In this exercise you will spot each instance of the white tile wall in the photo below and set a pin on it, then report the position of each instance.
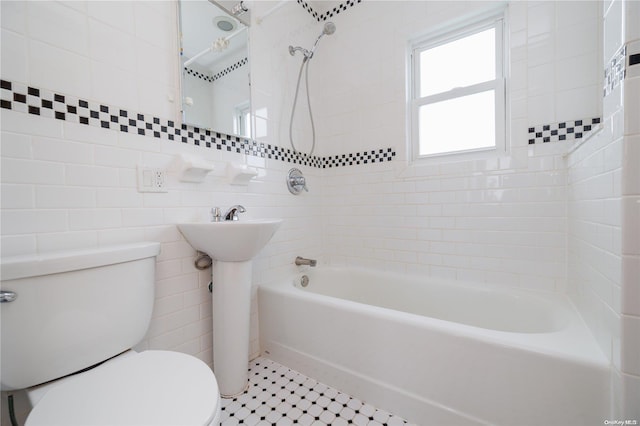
(491, 219)
(603, 221)
(66, 185)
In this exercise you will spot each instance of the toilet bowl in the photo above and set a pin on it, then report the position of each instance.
(152, 388)
(68, 323)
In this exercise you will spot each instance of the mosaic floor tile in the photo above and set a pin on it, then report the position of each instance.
(279, 396)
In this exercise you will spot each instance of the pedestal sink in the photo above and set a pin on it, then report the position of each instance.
(231, 245)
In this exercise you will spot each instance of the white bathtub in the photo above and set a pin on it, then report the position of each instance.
(438, 353)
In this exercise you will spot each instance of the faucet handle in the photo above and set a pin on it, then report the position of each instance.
(216, 214)
(296, 182)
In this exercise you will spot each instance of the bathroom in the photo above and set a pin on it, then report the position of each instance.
(561, 216)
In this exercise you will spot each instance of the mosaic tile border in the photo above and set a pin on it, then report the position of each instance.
(211, 78)
(228, 70)
(564, 131)
(330, 13)
(44, 103)
(197, 74)
(615, 71)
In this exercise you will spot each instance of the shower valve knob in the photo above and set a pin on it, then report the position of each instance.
(296, 182)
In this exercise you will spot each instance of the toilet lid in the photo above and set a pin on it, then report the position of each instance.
(150, 388)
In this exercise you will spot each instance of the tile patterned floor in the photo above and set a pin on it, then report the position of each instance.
(279, 396)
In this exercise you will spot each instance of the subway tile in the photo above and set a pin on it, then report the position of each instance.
(630, 285)
(631, 225)
(59, 69)
(114, 86)
(151, 25)
(86, 219)
(168, 268)
(613, 29)
(61, 197)
(632, 106)
(167, 305)
(13, 55)
(14, 16)
(68, 240)
(109, 46)
(35, 172)
(17, 196)
(578, 12)
(17, 122)
(577, 71)
(630, 341)
(58, 25)
(164, 340)
(142, 217)
(630, 169)
(61, 151)
(16, 145)
(116, 14)
(95, 176)
(33, 221)
(17, 245)
(629, 396)
(632, 12)
(541, 19)
(88, 134)
(576, 40)
(121, 236)
(118, 197)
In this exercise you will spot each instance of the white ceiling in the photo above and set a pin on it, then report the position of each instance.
(199, 31)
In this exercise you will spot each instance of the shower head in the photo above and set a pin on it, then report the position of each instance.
(328, 29)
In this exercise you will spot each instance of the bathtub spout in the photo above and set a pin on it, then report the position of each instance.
(302, 261)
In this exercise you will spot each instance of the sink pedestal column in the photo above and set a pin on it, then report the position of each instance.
(231, 295)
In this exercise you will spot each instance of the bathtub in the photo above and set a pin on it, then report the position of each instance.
(437, 352)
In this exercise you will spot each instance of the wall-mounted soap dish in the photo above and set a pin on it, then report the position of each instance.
(240, 174)
(192, 168)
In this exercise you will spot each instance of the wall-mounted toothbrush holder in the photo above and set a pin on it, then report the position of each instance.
(240, 174)
(191, 168)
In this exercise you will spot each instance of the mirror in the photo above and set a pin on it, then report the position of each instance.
(214, 68)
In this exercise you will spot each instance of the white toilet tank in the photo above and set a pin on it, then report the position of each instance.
(73, 309)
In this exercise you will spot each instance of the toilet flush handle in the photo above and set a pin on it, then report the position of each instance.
(7, 296)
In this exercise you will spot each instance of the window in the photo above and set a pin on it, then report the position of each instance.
(242, 120)
(458, 91)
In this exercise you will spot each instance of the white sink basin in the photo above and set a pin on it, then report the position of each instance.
(230, 241)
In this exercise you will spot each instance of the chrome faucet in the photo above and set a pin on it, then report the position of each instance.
(216, 215)
(232, 213)
(303, 261)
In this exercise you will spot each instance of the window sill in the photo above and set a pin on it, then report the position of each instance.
(463, 163)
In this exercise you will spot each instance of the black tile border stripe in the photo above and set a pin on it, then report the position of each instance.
(329, 13)
(563, 131)
(615, 71)
(211, 78)
(44, 103)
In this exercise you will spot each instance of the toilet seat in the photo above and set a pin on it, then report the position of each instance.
(148, 388)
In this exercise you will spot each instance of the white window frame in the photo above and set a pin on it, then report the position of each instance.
(241, 120)
(495, 20)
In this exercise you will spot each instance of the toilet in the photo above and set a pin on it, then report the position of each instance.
(69, 320)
